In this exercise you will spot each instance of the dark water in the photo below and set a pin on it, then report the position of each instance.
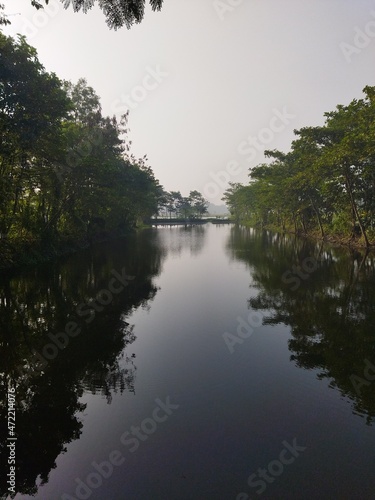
(220, 371)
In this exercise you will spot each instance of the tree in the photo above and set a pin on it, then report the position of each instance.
(32, 108)
(65, 169)
(325, 183)
(184, 207)
(241, 201)
(118, 13)
(174, 201)
(198, 203)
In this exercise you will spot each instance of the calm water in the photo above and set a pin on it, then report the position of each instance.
(235, 364)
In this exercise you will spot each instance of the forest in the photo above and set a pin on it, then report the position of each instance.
(324, 186)
(66, 173)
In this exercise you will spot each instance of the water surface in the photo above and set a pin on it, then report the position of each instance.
(228, 348)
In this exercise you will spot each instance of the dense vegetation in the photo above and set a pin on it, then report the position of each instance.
(66, 173)
(65, 168)
(324, 186)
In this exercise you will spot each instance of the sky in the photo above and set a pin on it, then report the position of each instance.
(211, 84)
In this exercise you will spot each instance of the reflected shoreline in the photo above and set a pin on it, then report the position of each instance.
(325, 294)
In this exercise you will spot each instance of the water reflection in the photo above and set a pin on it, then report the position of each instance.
(184, 238)
(329, 306)
(234, 405)
(42, 301)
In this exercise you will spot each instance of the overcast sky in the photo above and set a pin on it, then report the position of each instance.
(211, 85)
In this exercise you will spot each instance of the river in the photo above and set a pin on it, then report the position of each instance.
(208, 362)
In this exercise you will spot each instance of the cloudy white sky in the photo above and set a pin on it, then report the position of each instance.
(224, 75)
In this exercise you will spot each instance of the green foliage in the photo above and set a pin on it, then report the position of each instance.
(325, 183)
(119, 13)
(187, 207)
(341, 223)
(198, 204)
(65, 168)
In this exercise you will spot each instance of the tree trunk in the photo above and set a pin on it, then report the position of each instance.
(295, 223)
(355, 210)
(318, 217)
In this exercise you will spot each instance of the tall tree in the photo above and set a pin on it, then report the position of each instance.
(33, 106)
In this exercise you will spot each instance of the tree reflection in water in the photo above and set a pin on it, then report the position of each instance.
(331, 313)
(43, 300)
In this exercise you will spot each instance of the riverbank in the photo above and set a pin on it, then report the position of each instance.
(332, 239)
(17, 254)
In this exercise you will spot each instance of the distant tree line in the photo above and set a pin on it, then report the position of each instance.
(324, 186)
(174, 205)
